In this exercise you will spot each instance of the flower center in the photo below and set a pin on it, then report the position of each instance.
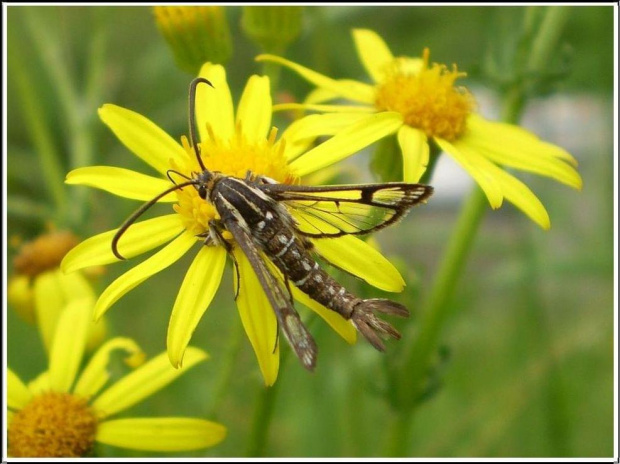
(233, 157)
(44, 253)
(427, 98)
(53, 425)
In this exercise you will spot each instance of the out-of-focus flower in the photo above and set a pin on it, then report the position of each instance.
(428, 106)
(38, 290)
(62, 412)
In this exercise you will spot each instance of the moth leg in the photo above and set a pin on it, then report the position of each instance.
(214, 237)
(234, 260)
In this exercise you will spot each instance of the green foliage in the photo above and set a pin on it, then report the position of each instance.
(530, 326)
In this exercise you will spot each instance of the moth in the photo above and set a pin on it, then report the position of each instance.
(259, 214)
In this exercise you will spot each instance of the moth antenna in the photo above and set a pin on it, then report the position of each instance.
(139, 212)
(192, 117)
(172, 171)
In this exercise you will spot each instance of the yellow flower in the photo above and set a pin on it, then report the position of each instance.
(62, 414)
(231, 145)
(39, 289)
(426, 104)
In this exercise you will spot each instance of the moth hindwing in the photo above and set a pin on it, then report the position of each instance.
(278, 221)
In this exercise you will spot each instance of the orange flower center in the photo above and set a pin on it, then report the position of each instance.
(53, 425)
(44, 253)
(234, 157)
(427, 98)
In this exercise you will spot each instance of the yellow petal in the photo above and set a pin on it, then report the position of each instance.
(478, 167)
(301, 133)
(20, 296)
(198, 289)
(353, 90)
(138, 274)
(40, 384)
(139, 238)
(17, 394)
(522, 197)
(320, 95)
(214, 106)
(143, 137)
(96, 374)
(316, 125)
(49, 300)
(411, 66)
(348, 141)
(121, 182)
(258, 319)
(414, 147)
(161, 434)
(143, 382)
(341, 326)
(69, 342)
(373, 52)
(254, 109)
(324, 108)
(362, 260)
(75, 286)
(512, 146)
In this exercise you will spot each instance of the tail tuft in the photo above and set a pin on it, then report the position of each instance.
(370, 326)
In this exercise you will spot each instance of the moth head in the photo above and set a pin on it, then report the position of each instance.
(203, 182)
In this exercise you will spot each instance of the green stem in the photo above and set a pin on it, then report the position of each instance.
(542, 336)
(272, 70)
(228, 367)
(263, 413)
(424, 345)
(421, 352)
(78, 116)
(547, 37)
(400, 435)
(51, 169)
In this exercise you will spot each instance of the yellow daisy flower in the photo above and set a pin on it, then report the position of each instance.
(426, 105)
(231, 145)
(63, 414)
(38, 290)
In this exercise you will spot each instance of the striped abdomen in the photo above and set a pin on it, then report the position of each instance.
(290, 255)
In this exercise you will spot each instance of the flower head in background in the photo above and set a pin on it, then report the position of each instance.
(424, 102)
(38, 290)
(195, 34)
(62, 413)
(233, 145)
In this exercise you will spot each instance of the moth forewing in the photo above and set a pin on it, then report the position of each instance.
(278, 221)
(288, 319)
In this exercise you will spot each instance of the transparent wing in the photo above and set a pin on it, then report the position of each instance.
(333, 211)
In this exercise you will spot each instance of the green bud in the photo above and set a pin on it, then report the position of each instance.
(196, 34)
(272, 27)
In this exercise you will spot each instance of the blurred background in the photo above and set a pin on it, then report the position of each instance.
(526, 360)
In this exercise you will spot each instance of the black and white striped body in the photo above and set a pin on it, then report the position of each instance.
(272, 229)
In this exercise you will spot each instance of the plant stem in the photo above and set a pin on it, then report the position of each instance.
(78, 116)
(228, 366)
(263, 413)
(51, 169)
(420, 354)
(547, 37)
